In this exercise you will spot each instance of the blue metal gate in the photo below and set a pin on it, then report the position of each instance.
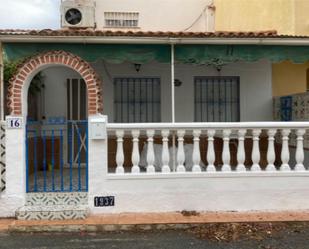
(57, 156)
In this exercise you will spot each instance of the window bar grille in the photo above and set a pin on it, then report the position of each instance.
(216, 99)
(137, 100)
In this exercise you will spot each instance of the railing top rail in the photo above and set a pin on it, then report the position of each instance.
(209, 125)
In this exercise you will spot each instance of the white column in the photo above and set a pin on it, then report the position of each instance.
(256, 150)
(119, 153)
(180, 151)
(196, 155)
(211, 157)
(97, 167)
(241, 155)
(271, 156)
(226, 157)
(299, 156)
(285, 154)
(150, 152)
(135, 152)
(165, 152)
(16, 165)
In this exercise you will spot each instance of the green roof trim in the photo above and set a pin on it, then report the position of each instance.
(144, 53)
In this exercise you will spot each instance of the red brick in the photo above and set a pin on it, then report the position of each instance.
(30, 67)
(23, 73)
(21, 77)
(70, 61)
(18, 82)
(91, 91)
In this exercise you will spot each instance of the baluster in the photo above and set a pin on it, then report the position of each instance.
(256, 150)
(150, 152)
(271, 156)
(196, 155)
(165, 152)
(241, 155)
(226, 157)
(285, 154)
(180, 151)
(135, 152)
(211, 157)
(299, 156)
(119, 153)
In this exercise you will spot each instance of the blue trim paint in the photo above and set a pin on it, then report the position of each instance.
(45, 151)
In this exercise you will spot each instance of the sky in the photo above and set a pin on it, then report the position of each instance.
(29, 14)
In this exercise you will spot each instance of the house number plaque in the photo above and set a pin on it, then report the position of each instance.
(104, 201)
(14, 122)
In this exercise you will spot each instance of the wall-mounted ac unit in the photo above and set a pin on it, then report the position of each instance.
(77, 14)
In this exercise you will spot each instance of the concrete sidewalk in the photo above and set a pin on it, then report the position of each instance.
(147, 221)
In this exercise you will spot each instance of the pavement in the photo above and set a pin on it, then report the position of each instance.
(288, 238)
(147, 221)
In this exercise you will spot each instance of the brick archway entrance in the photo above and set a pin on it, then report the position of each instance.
(56, 153)
(20, 82)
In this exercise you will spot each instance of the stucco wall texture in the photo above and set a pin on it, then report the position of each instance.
(285, 16)
(289, 17)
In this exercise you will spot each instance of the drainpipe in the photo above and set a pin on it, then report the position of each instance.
(173, 102)
(1, 84)
(172, 82)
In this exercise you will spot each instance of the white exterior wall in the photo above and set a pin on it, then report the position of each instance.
(255, 88)
(161, 15)
(157, 15)
(55, 79)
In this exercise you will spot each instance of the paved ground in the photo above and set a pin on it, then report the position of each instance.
(267, 236)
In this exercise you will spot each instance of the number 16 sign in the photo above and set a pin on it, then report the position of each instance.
(14, 122)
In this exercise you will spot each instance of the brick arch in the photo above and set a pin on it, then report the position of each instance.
(32, 65)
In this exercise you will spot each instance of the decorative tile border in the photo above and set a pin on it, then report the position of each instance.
(52, 199)
(52, 213)
(299, 112)
(54, 206)
(2, 157)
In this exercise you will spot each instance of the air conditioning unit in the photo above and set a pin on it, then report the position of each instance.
(77, 14)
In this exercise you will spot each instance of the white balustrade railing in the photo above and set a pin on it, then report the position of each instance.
(151, 148)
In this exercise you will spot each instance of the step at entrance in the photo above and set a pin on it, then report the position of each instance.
(54, 206)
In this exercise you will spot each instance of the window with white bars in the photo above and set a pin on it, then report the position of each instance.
(121, 19)
(217, 99)
(137, 100)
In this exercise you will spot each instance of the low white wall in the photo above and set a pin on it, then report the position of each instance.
(220, 191)
(204, 192)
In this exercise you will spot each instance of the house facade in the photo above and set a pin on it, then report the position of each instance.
(123, 108)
